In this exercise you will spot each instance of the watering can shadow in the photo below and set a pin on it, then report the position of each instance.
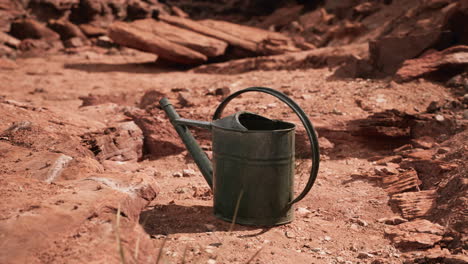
(252, 172)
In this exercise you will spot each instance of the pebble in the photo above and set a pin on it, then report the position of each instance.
(303, 211)
(465, 114)
(177, 174)
(188, 173)
(290, 234)
(396, 220)
(439, 118)
(210, 227)
(364, 255)
(211, 261)
(359, 222)
(327, 238)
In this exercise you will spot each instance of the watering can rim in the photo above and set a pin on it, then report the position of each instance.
(236, 115)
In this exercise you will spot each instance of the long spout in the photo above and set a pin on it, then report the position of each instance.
(202, 161)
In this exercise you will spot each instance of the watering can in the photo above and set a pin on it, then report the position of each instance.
(252, 176)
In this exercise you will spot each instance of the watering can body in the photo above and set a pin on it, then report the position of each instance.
(252, 169)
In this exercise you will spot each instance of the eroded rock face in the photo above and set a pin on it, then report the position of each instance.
(122, 142)
(415, 234)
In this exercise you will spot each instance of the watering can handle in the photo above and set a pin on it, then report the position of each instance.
(304, 119)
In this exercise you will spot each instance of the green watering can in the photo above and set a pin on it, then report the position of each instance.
(253, 161)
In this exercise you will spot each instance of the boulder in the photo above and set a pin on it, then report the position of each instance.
(31, 29)
(130, 36)
(454, 58)
(207, 46)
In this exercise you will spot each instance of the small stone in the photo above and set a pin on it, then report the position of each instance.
(211, 261)
(359, 222)
(354, 227)
(396, 220)
(327, 238)
(290, 234)
(303, 211)
(465, 99)
(439, 118)
(443, 150)
(306, 96)
(433, 107)
(465, 114)
(210, 227)
(316, 249)
(224, 91)
(73, 43)
(340, 260)
(177, 174)
(364, 255)
(272, 105)
(188, 173)
(385, 170)
(184, 99)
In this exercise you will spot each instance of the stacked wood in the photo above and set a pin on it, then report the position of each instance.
(415, 204)
(401, 182)
(185, 41)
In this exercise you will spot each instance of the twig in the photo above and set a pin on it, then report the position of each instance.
(236, 210)
(161, 251)
(254, 256)
(117, 233)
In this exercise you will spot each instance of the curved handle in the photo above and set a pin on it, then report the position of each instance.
(305, 121)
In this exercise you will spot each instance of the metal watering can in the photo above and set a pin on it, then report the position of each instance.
(253, 161)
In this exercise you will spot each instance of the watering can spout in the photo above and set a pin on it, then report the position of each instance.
(180, 125)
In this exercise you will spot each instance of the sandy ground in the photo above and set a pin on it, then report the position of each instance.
(339, 226)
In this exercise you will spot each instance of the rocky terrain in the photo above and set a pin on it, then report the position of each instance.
(91, 170)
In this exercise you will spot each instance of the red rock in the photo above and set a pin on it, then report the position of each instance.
(92, 30)
(9, 40)
(207, 46)
(388, 53)
(132, 37)
(454, 57)
(122, 142)
(7, 64)
(66, 29)
(415, 234)
(31, 29)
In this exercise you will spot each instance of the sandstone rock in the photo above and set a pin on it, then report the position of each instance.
(322, 57)
(73, 43)
(7, 64)
(133, 37)
(159, 137)
(9, 40)
(455, 57)
(415, 234)
(66, 29)
(188, 173)
(122, 142)
(207, 46)
(415, 204)
(396, 220)
(31, 29)
(92, 31)
(150, 97)
(388, 53)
